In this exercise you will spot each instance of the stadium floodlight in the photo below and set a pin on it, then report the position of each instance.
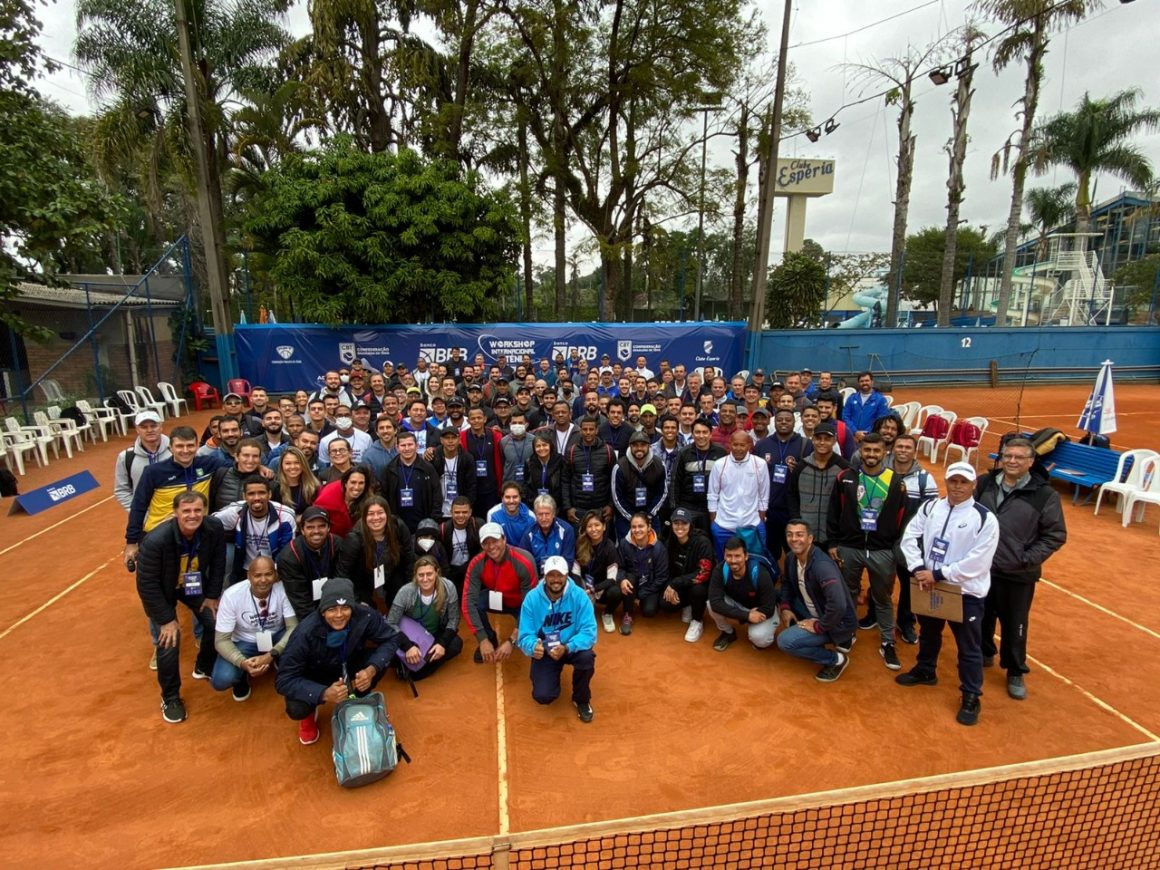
(815, 134)
(831, 126)
(940, 75)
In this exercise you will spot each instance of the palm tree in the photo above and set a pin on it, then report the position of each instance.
(1030, 24)
(1094, 139)
(1050, 207)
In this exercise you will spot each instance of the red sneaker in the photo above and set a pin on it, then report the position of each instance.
(308, 730)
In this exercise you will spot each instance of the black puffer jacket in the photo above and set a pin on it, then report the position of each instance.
(1031, 525)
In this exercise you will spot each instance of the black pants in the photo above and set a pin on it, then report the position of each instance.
(695, 596)
(482, 615)
(968, 638)
(1009, 604)
(614, 598)
(297, 709)
(457, 574)
(169, 660)
(454, 647)
(546, 676)
(775, 535)
(905, 618)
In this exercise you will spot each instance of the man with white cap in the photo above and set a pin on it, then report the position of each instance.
(557, 628)
(497, 580)
(953, 540)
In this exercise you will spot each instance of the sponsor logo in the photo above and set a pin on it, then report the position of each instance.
(285, 351)
(708, 345)
(624, 350)
(62, 492)
(440, 354)
(360, 716)
(347, 352)
(587, 352)
(340, 601)
(492, 346)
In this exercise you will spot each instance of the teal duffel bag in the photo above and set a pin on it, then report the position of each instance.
(365, 747)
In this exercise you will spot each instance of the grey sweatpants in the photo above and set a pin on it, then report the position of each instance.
(879, 564)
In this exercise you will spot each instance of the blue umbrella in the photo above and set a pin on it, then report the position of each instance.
(1099, 414)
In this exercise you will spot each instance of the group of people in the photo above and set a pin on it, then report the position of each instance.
(332, 535)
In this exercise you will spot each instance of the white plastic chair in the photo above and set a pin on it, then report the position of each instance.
(12, 450)
(921, 416)
(847, 392)
(123, 418)
(1122, 483)
(889, 399)
(147, 401)
(175, 402)
(85, 428)
(100, 419)
(1148, 493)
(52, 391)
(932, 446)
(908, 411)
(965, 452)
(33, 434)
(61, 435)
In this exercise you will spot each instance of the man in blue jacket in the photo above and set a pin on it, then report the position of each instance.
(864, 407)
(558, 628)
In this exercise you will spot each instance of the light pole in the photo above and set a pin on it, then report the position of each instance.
(704, 110)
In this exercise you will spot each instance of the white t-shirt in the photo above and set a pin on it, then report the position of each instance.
(359, 441)
(238, 612)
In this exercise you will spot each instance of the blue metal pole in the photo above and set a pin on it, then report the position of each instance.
(93, 341)
(152, 331)
(18, 376)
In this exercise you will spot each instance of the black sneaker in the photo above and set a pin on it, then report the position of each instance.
(969, 711)
(988, 661)
(584, 711)
(242, 691)
(831, 672)
(849, 645)
(199, 674)
(868, 622)
(478, 657)
(907, 634)
(1016, 688)
(916, 677)
(890, 656)
(724, 639)
(173, 710)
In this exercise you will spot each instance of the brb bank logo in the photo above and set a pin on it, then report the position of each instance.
(57, 493)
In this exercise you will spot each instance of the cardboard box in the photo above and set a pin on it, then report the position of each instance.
(943, 601)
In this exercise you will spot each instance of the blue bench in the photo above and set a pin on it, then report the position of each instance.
(1083, 466)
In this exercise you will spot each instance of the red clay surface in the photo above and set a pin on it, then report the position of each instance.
(94, 777)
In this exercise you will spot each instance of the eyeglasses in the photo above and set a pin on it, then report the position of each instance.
(1011, 457)
(339, 451)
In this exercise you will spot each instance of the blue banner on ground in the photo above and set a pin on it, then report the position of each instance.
(41, 499)
(285, 357)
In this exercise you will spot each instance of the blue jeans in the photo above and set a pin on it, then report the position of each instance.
(226, 675)
(722, 534)
(805, 644)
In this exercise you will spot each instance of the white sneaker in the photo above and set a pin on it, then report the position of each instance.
(608, 622)
(696, 629)
(687, 614)
(153, 661)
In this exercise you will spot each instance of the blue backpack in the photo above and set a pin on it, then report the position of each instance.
(365, 748)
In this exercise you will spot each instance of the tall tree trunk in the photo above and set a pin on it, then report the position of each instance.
(526, 218)
(960, 112)
(1031, 87)
(559, 230)
(736, 280)
(906, 143)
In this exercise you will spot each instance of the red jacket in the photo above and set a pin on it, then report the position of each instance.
(331, 499)
(513, 576)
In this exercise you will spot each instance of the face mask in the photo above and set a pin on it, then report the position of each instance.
(426, 544)
(343, 422)
(518, 429)
(345, 379)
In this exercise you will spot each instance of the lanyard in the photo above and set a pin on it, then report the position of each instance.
(701, 458)
(543, 477)
(189, 550)
(480, 450)
(523, 450)
(258, 614)
(406, 471)
(245, 538)
(781, 450)
(320, 565)
(587, 457)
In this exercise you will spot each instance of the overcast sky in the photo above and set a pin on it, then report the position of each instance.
(1106, 53)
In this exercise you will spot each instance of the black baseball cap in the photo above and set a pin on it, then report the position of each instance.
(826, 427)
(680, 515)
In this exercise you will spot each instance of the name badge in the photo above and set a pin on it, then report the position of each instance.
(587, 482)
(641, 496)
(780, 473)
(481, 468)
(938, 551)
(264, 640)
(452, 487)
(316, 586)
(551, 640)
(869, 519)
(519, 473)
(191, 580)
(380, 576)
(494, 600)
(406, 497)
(699, 482)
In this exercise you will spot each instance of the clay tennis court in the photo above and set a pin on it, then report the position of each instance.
(93, 776)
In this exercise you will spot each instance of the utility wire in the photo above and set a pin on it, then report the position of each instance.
(866, 26)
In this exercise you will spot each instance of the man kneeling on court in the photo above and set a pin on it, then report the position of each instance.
(328, 657)
(744, 589)
(953, 540)
(816, 606)
(254, 621)
(497, 581)
(557, 628)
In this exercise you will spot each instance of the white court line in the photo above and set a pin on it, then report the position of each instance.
(1097, 701)
(54, 525)
(501, 752)
(56, 598)
(1102, 609)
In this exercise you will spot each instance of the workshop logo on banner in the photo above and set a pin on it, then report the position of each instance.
(285, 357)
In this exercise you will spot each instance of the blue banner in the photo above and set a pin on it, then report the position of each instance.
(42, 498)
(285, 357)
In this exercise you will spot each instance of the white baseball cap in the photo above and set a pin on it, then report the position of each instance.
(556, 563)
(490, 530)
(961, 469)
(146, 417)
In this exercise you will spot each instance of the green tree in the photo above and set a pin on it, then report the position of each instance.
(922, 271)
(797, 291)
(51, 203)
(1028, 32)
(382, 238)
(1050, 207)
(1139, 279)
(1094, 139)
